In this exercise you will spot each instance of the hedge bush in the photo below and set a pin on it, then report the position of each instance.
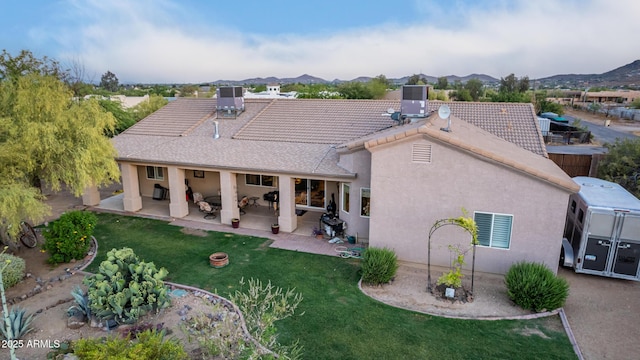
(534, 287)
(13, 273)
(379, 266)
(69, 237)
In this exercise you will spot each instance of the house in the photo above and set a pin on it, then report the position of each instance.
(391, 175)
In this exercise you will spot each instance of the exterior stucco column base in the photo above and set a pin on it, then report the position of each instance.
(91, 196)
(132, 204)
(132, 200)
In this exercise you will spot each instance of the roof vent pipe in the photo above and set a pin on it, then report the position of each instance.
(216, 134)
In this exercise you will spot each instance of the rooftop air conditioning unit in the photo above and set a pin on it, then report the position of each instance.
(230, 99)
(414, 101)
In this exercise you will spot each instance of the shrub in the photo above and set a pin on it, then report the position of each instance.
(126, 288)
(453, 278)
(69, 237)
(147, 345)
(14, 270)
(533, 286)
(219, 333)
(20, 324)
(379, 266)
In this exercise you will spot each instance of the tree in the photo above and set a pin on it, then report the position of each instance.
(188, 90)
(260, 87)
(378, 86)
(416, 80)
(25, 63)
(475, 88)
(511, 84)
(512, 89)
(442, 83)
(77, 79)
(508, 84)
(124, 119)
(355, 90)
(46, 136)
(147, 107)
(622, 164)
(541, 104)
(109, 82)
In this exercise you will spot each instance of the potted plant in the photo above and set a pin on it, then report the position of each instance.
(317, 232)
(275, 228)
(235, 223)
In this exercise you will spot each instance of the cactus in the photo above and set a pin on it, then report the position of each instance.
(20, 325)
(126, 288)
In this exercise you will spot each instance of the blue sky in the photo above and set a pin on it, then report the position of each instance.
(185, 41)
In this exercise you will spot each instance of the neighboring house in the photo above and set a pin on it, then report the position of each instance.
(391, 179)
(272, 92)
(129, 101)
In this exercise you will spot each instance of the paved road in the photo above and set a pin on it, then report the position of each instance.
(605, 134)
(602, 134)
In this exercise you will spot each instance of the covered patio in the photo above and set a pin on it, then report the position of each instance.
(257, 217)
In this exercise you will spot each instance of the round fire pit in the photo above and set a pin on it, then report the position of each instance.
(219, 259)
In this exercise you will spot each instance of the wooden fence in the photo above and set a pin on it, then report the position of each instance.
(577, 165)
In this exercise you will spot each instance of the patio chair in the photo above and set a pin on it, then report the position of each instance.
(207, 209)
(243, 204)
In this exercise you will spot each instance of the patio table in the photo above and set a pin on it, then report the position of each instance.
(214, 200)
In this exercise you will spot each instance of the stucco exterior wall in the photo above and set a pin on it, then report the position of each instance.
(357, 162)
(249, 190)
(147, 185)
(407, 198)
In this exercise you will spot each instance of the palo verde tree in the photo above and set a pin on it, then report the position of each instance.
(47, 137)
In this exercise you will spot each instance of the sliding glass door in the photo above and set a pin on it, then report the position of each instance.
(310, 192)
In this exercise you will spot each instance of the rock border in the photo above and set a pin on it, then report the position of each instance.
(44, 285)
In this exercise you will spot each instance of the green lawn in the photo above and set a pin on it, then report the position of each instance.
(337, 321)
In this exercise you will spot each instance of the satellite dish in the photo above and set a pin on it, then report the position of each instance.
(390, 111)
(444, 112)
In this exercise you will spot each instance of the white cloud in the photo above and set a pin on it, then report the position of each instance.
(156, 42)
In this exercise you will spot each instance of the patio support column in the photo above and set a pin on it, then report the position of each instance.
(229, 194)
(178, 205)
(130, 184)
(91, 196)
(287, 219)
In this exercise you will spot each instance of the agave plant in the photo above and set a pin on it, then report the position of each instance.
(82, 303)
(20, 325)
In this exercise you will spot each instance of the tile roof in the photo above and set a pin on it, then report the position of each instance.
(318, 121)
(175, 119)
(514, 122)
(294, 136)
(473, 139)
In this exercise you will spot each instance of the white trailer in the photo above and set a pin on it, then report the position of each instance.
(602, 230)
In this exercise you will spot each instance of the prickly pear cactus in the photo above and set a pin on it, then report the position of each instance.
(126, 288)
